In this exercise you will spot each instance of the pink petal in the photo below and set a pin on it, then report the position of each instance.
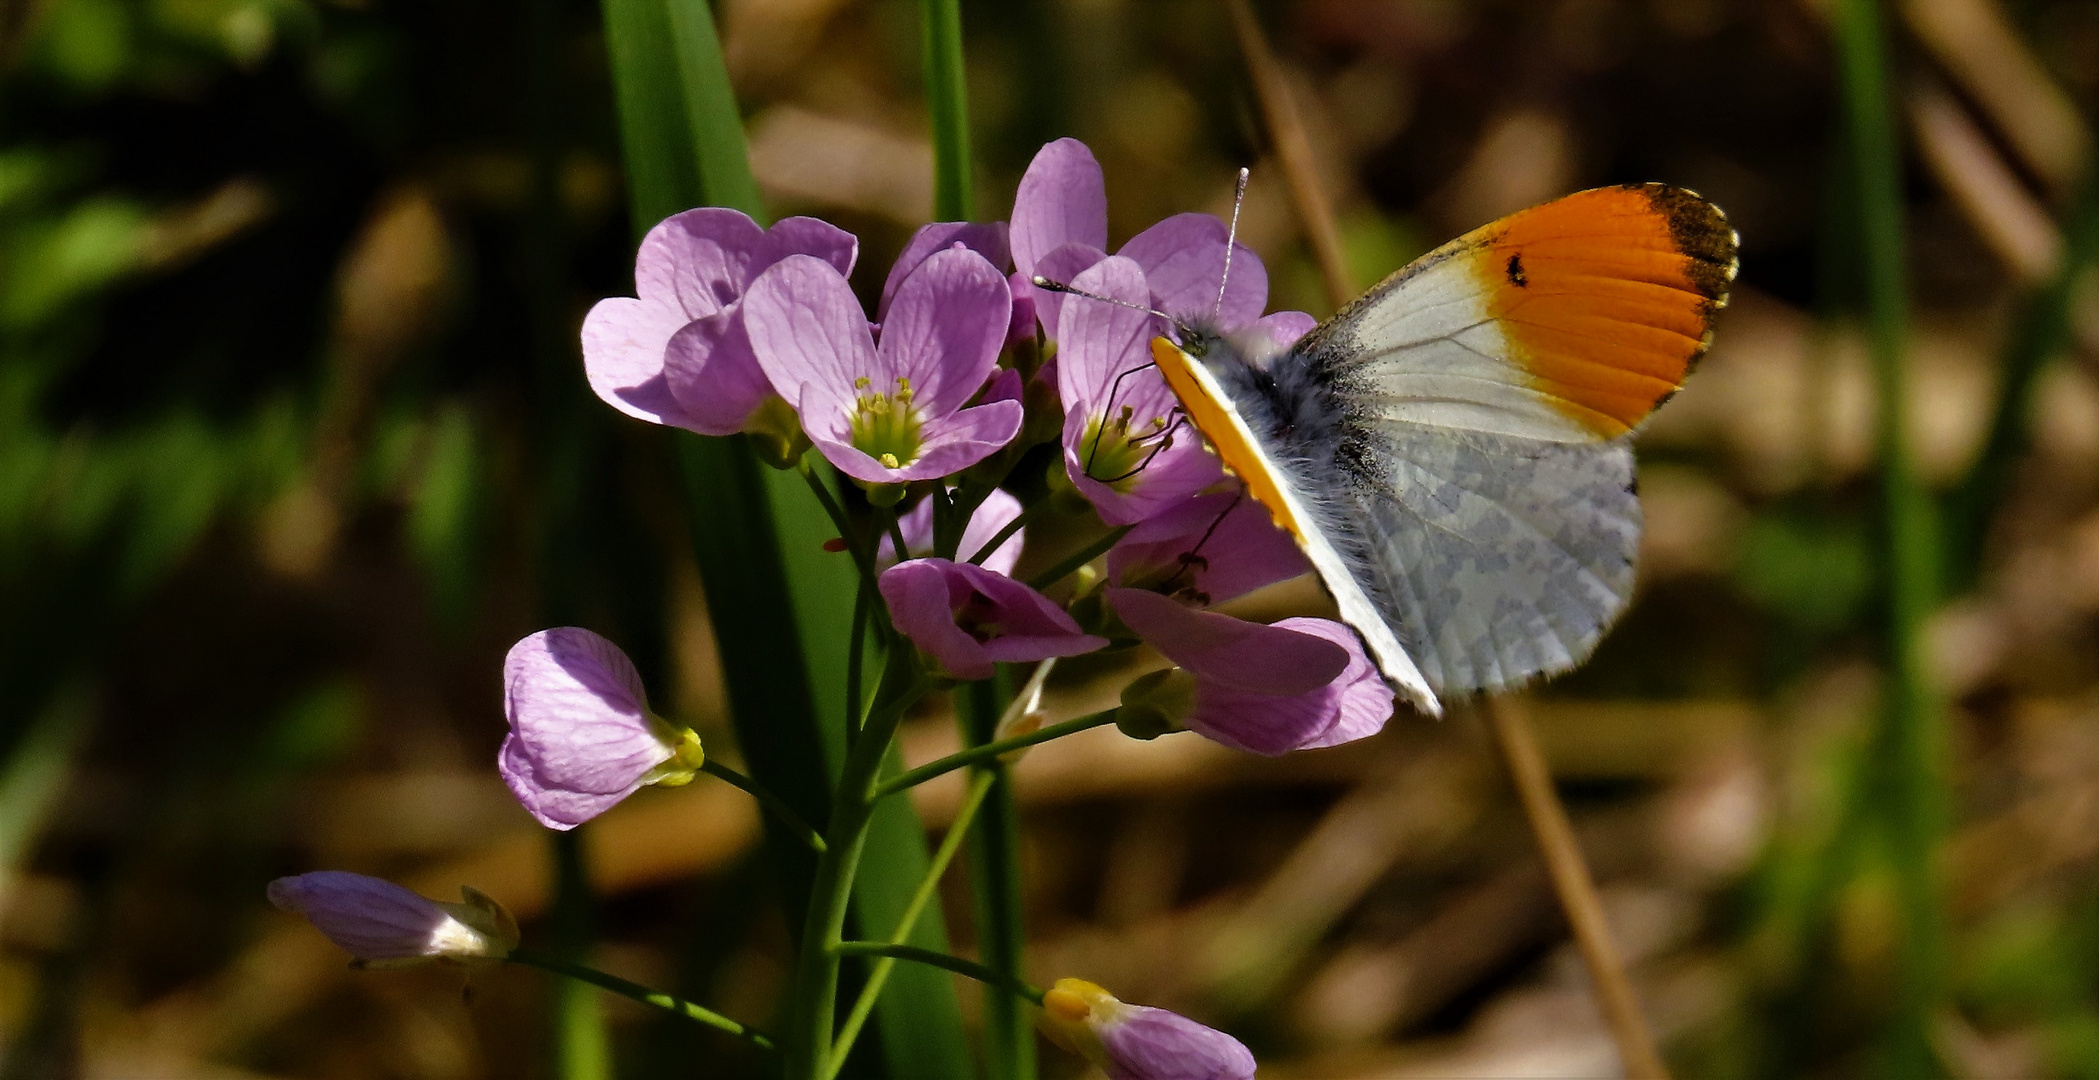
(1143, 1043)
(1232, 653)
(985, 238)
(1363, 700)
(697, 261)
(1005, 385)
(367, 917)
(714, 375)
(811, 339)
(1233, 542)
(1183, 260)
(1062, 200)
(947, 446)
(549, 803)
(1278, 330)
(805, 236)
(623, 355)
(576, 707)
(923, 596)
(996, 512)
(1097, 342)
(944, 330)
(1062, 265)
(1170, 477)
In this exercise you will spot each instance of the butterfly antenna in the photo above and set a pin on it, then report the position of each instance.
(1231, 240)
(1059, 287)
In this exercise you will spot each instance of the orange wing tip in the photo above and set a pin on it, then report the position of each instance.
(1699, 230)
(1580, 284)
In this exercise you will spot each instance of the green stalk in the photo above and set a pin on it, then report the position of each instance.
(1079, 558)
(643, 994)
(878, 975)
(815, 992)
(2039, 335)
(1909, 744)
(995, 879)
(991, 751)
(782, 813)
(581, 1048)
(947, 100)
(1018, 988)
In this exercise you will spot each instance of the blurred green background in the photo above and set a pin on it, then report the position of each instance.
(294, 441)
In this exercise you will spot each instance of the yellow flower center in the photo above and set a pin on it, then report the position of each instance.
(885, 424)
(1116, 450)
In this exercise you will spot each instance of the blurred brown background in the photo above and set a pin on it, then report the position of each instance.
(288, 375)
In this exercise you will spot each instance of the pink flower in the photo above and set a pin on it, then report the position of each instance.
(1060, 227)
(678, 353)
(384, 925)
(1292, 685)
(581, 734)
(995, 513)
(892, 413)
(968, 618)
(1126, 446)
(1138, 1042)
(1209, 549)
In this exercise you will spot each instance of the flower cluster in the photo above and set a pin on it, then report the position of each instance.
(928, 390)
(927, 408)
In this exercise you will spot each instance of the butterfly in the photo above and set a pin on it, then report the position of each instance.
(1452, 450)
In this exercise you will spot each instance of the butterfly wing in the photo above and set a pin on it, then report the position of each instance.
(1486, 393)
(1451, 450)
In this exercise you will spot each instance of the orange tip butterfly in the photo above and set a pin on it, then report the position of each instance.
(1452, 449)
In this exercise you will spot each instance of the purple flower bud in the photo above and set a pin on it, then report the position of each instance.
(1293, 685)
(1137, 1042)
(968, 618)
(384, 925)
(581, 734)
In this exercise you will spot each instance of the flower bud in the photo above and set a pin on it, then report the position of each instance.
(1137, 1042)
(1156, 703)
(776, 433)
(382, 924)
(1044, 419)
(581, 734)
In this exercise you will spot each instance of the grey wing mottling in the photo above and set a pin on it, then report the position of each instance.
(1495, 558)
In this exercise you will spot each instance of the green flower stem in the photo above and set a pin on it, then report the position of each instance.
(862, 558)
(947, 99)
(1909, 742)
(814, 996)
(1079, 558)
(956, 964)
(896, 536)
(643, 994)
(773, 804)
(990, 751)
(1027, 514)
(879, 974)
(995, 878)
(856, 661)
